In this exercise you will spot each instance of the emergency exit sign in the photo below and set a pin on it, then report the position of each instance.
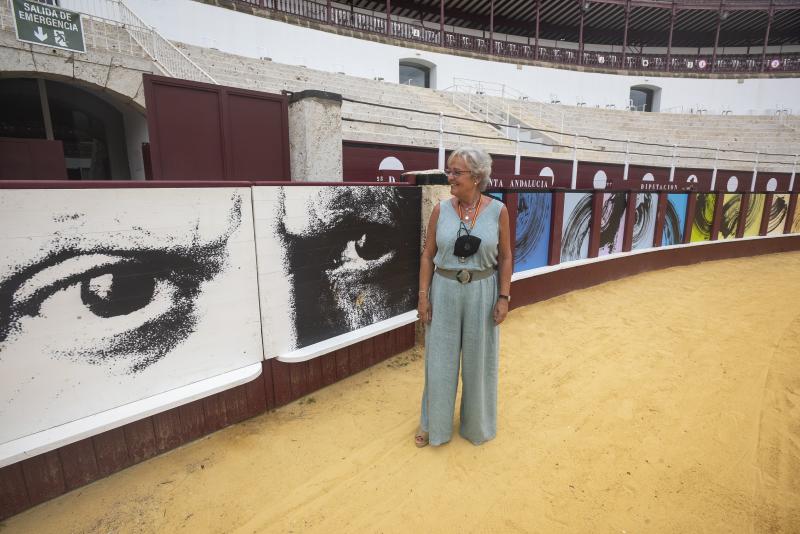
(48, 26)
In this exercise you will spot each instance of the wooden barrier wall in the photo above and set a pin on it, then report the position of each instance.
(38, 479)
(45, 476)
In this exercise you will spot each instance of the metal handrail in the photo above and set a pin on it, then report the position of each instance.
(508, 47)
(160, 50)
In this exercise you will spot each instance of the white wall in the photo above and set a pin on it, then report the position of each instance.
(135, 134)
(248, 35)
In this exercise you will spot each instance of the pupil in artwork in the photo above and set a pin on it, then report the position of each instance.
(111, 295)
(371, 248)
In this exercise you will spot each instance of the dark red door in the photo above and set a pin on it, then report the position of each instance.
(201, 131)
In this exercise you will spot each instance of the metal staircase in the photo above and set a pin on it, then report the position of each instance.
(499, 106)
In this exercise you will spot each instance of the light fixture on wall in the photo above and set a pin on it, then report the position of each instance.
(724, 15)
(585, 5)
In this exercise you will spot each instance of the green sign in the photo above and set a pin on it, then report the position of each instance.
(47, 25)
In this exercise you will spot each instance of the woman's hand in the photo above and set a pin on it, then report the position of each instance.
(500, 311)
(424, 308)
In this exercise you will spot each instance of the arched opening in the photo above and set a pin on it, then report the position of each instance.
(99, 140)
(417, 72)
(645, 98)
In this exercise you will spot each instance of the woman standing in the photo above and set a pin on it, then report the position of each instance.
(464, 286)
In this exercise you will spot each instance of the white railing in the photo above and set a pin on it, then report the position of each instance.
(102, 20)
(779, 111)
(170, 60)
(503, 107)
(478, 99)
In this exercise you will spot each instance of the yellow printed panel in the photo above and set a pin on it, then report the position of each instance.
(703, 217)
(731, 207)
(755, 211)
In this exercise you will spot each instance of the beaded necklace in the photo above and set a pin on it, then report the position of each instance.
(476, 207)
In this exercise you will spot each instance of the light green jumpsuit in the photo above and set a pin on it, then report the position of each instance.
(462, 324)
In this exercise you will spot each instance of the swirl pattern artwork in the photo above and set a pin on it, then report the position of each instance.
(534, 211)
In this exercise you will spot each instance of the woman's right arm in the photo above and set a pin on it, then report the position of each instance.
(426, 268)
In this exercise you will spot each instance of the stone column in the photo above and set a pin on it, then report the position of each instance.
(315, 136)
(431, 196)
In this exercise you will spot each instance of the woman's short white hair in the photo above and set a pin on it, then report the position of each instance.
(478, 161)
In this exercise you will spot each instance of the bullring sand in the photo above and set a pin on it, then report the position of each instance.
(664, 402)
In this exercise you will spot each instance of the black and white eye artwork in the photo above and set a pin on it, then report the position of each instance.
(111, 296)
(335, 259)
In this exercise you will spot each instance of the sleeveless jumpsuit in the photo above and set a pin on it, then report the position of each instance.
(462, 325)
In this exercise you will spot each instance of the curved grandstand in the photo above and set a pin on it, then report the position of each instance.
(646, 35)
(184, 192)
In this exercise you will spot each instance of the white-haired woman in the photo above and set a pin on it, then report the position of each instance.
(463, 296)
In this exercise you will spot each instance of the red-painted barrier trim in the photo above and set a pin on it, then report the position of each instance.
(556, 222)
(661, 215)
(765, 215)
(595, 224)
(51, 474)
(156, 184)
(691, 203)
(549, 285)
(743, 205)
(630, 217)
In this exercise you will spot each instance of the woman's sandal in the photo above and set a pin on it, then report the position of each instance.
(420, 439)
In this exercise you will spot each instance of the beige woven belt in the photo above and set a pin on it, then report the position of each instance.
(465, 276)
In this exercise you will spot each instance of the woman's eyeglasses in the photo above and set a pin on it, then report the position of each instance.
(455, 172)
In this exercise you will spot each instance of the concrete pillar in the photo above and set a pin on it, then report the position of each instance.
(315, 136)
(431, 196)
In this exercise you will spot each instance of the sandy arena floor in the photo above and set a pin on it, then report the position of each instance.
(665, 402)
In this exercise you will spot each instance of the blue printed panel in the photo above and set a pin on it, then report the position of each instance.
(674, 219)
(534, 211)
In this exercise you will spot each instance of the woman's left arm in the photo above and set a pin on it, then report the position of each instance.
(504, 267)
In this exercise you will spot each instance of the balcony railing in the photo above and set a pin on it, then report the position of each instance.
(698, 64)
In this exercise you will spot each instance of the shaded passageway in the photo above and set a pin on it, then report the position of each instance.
(665, 402)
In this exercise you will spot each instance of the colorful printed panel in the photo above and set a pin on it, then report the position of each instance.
(796, 221)
(644, 223)
(533, 230)
(703, 217)
(575, 229)
(731, 207)
(612, 222)
(674, 219)
(755, 212)
(778, 213)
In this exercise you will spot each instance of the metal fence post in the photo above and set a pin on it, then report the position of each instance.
(575, 163)
(627, 159)
(672, 167)
(441, 140)
(714, 172)
(755, 173)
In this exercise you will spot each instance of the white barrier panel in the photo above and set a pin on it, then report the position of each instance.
(332, 261)
(113, 296)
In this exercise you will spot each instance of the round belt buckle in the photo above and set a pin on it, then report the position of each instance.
(464, 276)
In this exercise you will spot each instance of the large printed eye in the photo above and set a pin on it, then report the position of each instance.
(125, 303)
(369, 247)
